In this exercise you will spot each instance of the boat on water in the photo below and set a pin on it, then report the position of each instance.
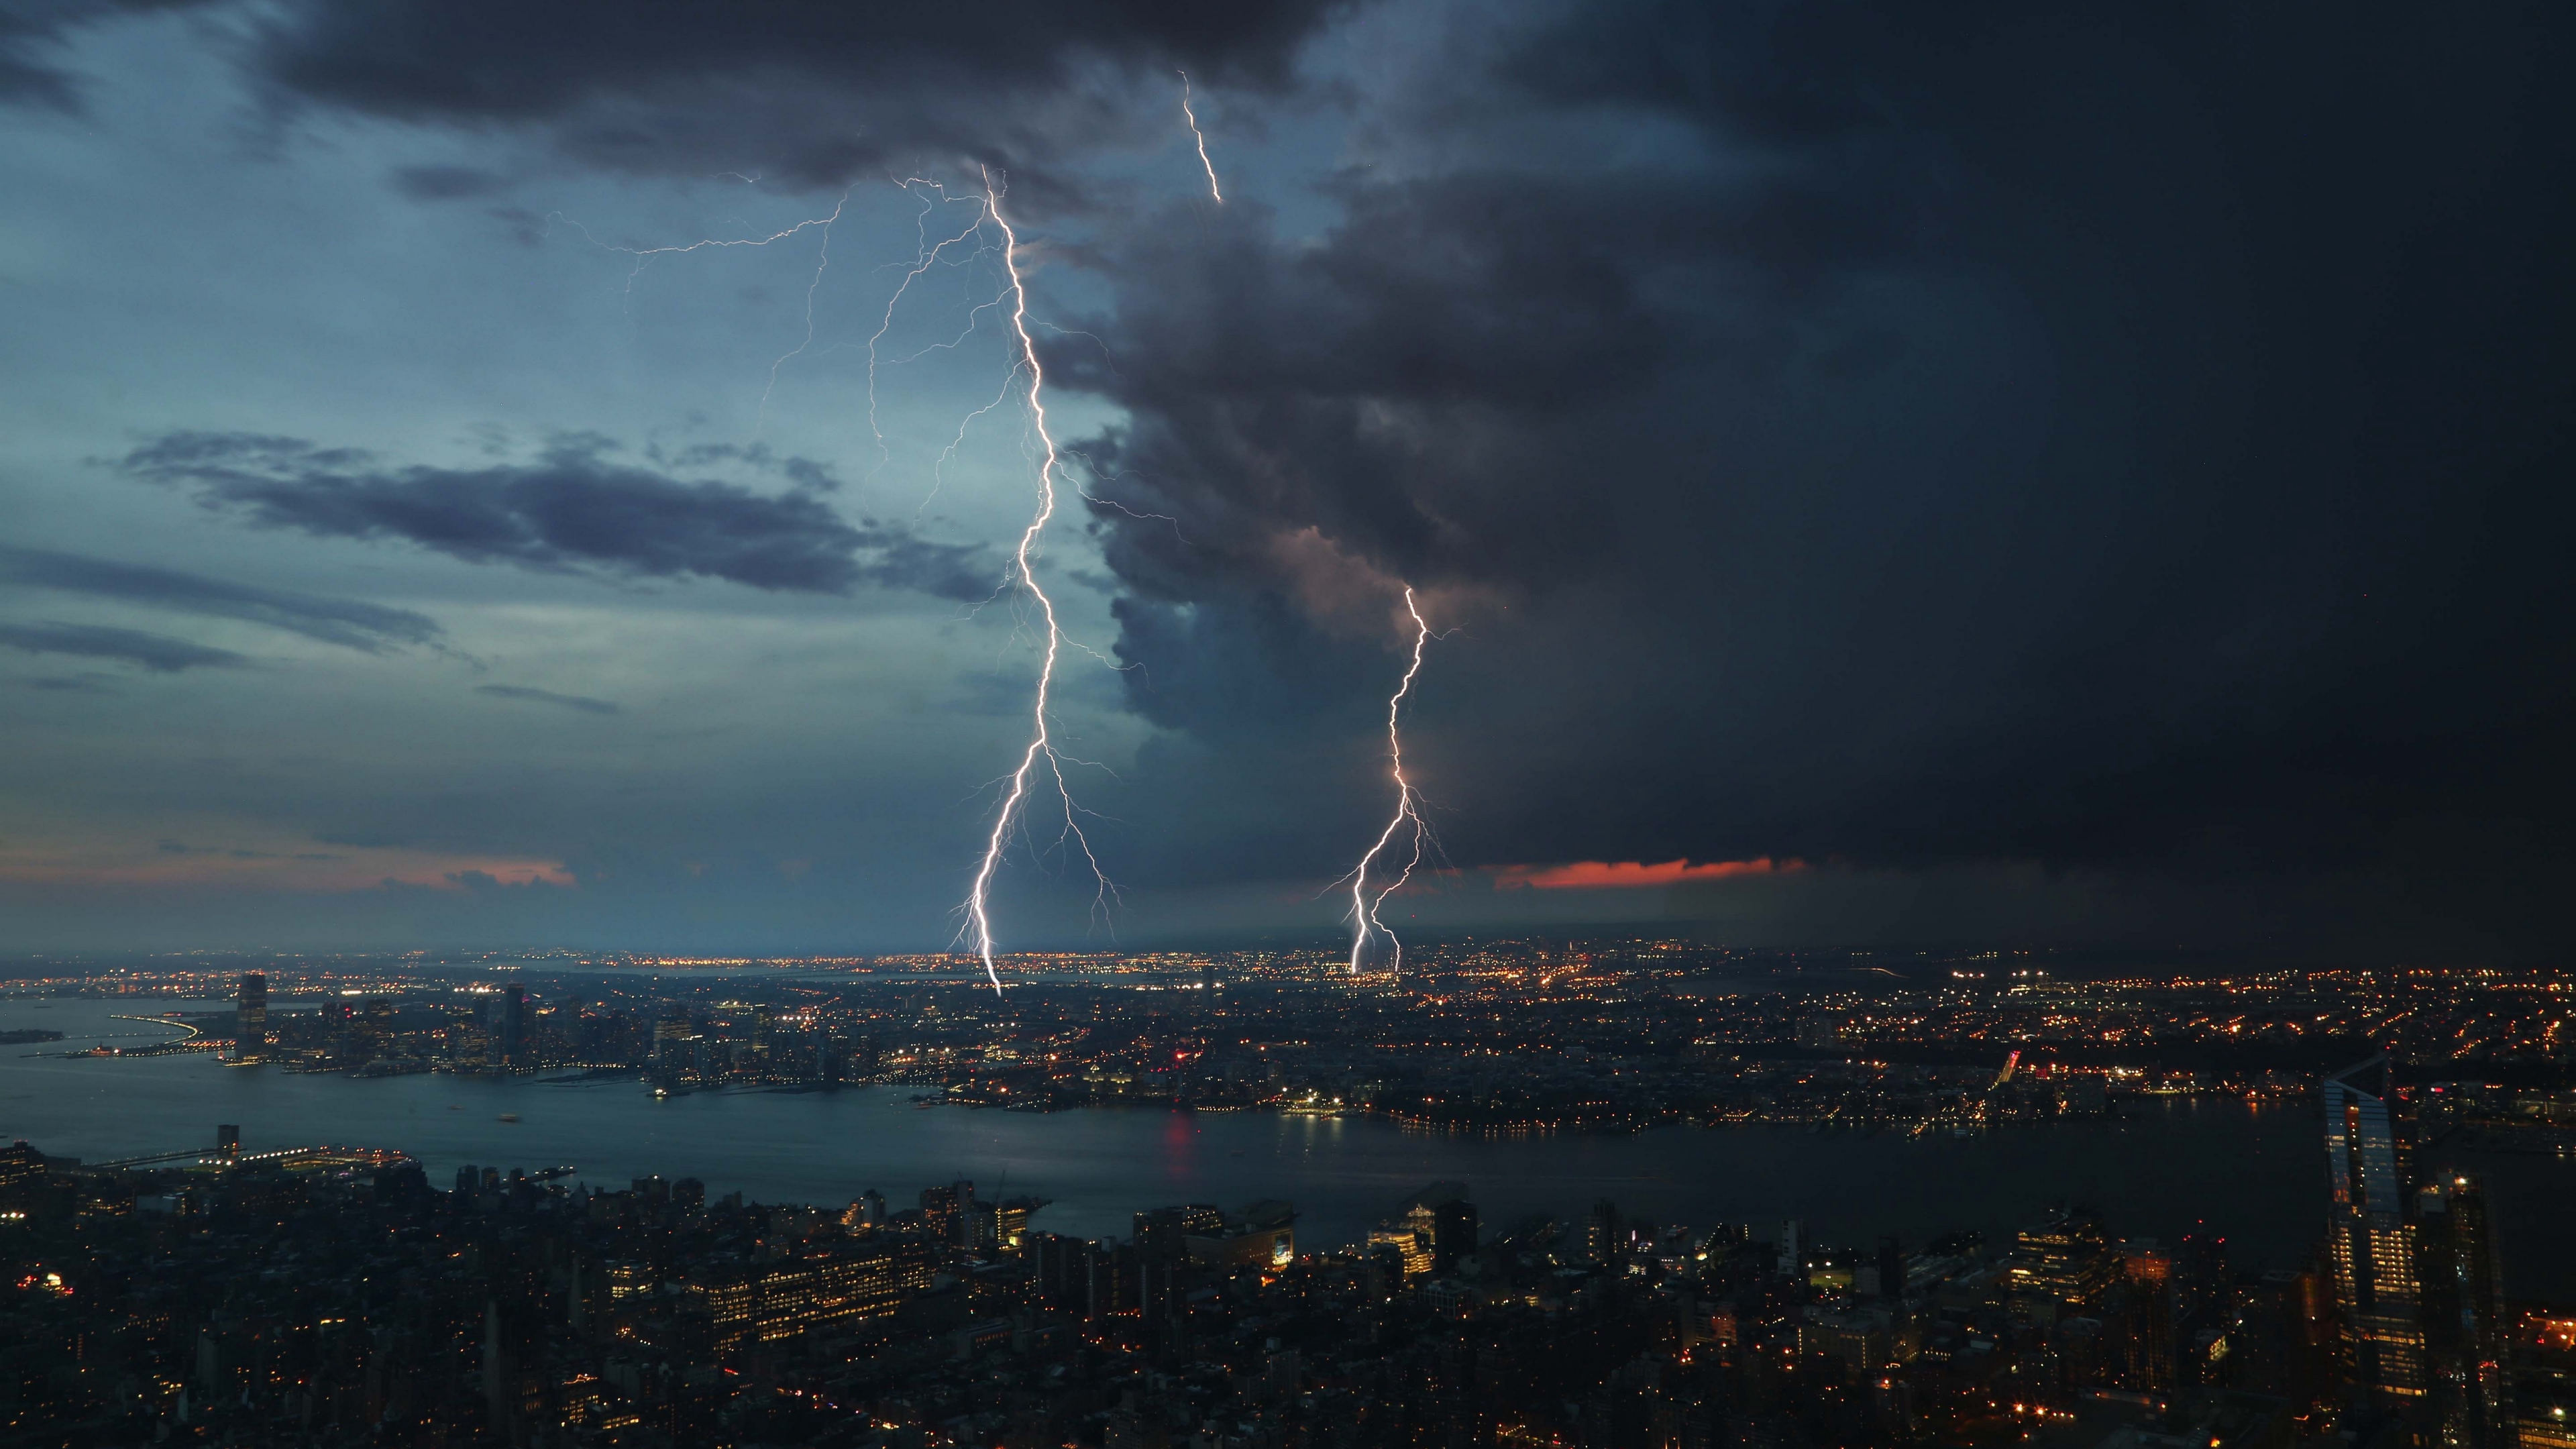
(509, 1116)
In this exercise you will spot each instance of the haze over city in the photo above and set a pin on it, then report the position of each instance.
(1302, 724)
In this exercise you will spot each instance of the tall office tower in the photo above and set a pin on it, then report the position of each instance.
(2372, 1243)
(1074, 1275)
(1601, 1231)
(514, 1027)
(374, 1026)
(564, 1039)
(1891, 1267)
(250, 1017)
(1453, 1233)
(2465, 1329)
(671, 1042)
(1793, 1249)
(979, 1228)
(940, 1207)
(2150, 1341)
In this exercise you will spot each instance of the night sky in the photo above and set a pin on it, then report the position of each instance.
(1885, 475)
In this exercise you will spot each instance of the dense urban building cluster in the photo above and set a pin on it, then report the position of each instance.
(1634, 1034)
(341, 1297)
(335, 1297)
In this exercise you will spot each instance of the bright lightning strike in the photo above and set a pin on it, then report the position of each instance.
(1365, 924)
(927, 255)
(1201, 137)
(1041, 745)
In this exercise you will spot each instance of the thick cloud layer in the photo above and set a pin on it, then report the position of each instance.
(574, 510)
(810, 91)
(2127, 439)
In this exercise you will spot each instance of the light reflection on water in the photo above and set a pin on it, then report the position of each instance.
(2256, 1177)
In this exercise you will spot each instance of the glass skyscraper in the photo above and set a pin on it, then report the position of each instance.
(2372, 1241)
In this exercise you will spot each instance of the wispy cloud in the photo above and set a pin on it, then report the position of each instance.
(155, 652)
(580, 702)
(346, 622)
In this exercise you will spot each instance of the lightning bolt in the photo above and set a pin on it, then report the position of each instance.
(926, 255)
(1365, 924)
(822, 260)
(1041, 747)
(643, 256)
(1200, 136)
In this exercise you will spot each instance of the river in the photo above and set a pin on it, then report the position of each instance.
(2170, 1166)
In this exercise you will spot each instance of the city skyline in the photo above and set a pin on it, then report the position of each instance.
(666, 1311)
(1624, 1192)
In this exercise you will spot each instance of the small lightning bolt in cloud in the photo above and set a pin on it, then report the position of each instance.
(1366, 926)
(1200, 136)
(643, 256)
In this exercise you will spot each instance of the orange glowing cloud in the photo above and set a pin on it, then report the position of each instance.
(279, 866)
(1624, 874)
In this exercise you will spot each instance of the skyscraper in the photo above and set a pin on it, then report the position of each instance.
(250, 1018)
(1453, 1233)
(2465, 1329)
(372, 1030)
(510, 1034)
(1601, 1231)
(2367, 1231)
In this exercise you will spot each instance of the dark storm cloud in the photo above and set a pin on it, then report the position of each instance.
(32, 35)
(582, 703)
(2130, 437)
(489, 59)
(575, 509)
(347, 622)
(1386, 387)
(155, 652)
(805, 92)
